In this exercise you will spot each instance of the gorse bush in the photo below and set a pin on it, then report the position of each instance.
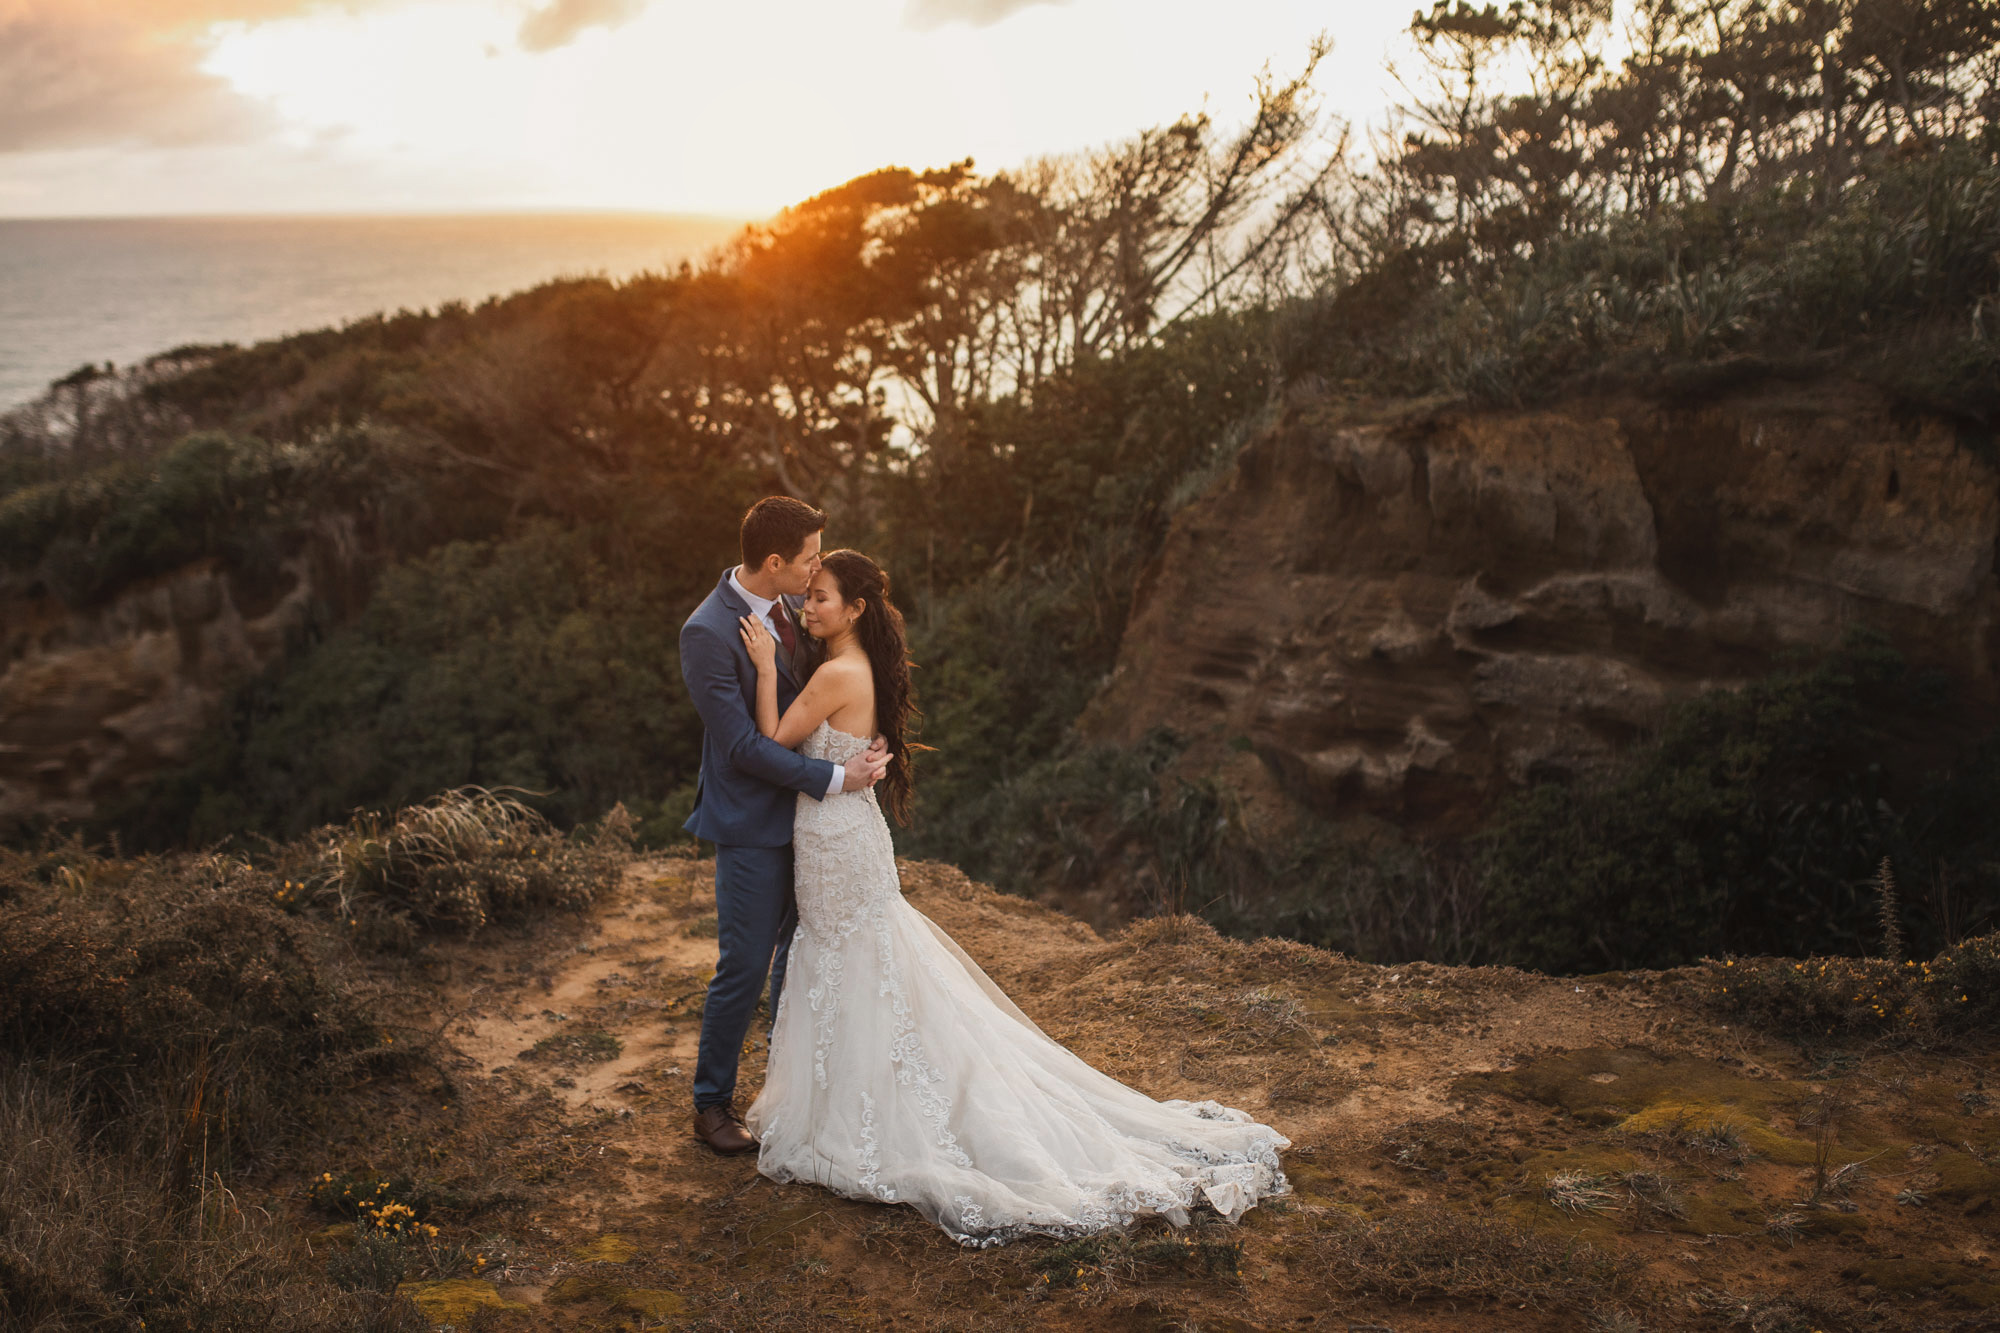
(1954, 996)
(184, 1004)
(1962, 986)
(1823, 999)
(163, 1027)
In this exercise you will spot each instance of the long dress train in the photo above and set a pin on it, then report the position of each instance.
(899, 1072)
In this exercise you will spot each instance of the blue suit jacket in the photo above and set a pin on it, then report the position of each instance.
(747, 779)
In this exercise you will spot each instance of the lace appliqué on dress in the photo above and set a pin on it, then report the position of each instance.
(871, 1153)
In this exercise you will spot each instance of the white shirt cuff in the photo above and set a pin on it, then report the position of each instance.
(839, 776)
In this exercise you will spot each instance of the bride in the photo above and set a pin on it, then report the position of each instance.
(898, 1071)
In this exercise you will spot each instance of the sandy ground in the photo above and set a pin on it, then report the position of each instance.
(1471, 1148)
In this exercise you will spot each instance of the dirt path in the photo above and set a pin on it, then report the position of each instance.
(1428, 1109)
(624, 954)
(637, 976)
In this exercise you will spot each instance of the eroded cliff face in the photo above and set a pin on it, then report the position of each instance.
(93, 703)
(1405, 615)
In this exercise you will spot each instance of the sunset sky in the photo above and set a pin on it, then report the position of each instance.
(225, 106)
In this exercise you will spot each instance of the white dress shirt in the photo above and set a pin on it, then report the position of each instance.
(761, 608)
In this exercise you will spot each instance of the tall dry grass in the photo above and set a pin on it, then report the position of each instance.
(97, 1231)
(173, 1026)
(456, 862)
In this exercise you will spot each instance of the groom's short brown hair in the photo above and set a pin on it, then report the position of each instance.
(778, 525)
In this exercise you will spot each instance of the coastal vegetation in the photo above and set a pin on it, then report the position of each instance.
(171, 1026)
(1006, 384)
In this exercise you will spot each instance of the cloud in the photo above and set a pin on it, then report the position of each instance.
(564, 20)
(86, 73)
(925, 15)
(65, 84)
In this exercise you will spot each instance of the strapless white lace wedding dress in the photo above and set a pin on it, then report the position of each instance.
(899, 1072)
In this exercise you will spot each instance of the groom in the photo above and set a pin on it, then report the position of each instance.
(744, 799)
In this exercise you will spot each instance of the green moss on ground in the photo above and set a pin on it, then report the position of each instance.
(652, 1303)
(456, 1301)
(1964, 1179)
(1602, 1086)
(609, 1248)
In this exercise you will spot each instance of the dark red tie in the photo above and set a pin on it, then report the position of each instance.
(783, 624)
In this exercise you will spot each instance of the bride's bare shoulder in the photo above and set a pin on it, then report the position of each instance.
(845, 673)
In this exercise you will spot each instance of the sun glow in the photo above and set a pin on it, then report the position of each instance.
(742, 109)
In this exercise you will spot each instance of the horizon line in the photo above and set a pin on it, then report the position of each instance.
(391, 213)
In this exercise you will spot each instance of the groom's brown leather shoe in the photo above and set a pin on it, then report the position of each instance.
(722, 1129)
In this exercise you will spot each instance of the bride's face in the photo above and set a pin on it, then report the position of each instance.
(826, 614)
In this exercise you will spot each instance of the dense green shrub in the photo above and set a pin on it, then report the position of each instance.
(1753, 822)
(183, 1003)
(242, 500)
(1108, 821)
(1895, 284)
(547, 660)
(1017, 556)
(1066, 823)
(988, 711)
(525, 664)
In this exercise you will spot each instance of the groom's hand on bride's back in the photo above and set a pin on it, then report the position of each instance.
(866, 769)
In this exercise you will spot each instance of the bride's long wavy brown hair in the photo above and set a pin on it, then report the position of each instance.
(879, 629)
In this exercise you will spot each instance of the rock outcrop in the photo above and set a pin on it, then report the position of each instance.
(1405, 614)
(94, 702)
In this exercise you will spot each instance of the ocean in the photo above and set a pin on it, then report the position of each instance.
(77, 291)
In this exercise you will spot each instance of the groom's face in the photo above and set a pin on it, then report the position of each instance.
(793, 577)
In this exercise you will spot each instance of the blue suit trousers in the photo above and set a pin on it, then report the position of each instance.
(755, 915)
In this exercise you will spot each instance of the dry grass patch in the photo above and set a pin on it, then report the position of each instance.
(1424, 1252)
(585, 1046)
(1434, 1147)
(452, 863)
(99, 1236)
(1209, 1251)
